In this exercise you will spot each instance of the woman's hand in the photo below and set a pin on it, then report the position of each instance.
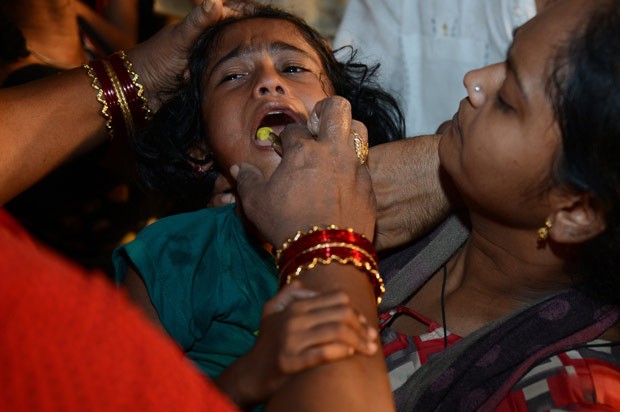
(300, 329)
(319, 181)
(160, 60)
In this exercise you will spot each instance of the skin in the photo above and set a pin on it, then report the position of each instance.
(342, 197)
(59, 100)
(499, 153)
(254, 72)
(260, 66)
(500, 161)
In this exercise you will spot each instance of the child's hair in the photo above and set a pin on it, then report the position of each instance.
(585, 88)
(163, 149)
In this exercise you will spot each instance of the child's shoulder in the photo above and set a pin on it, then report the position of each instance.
(187, 222)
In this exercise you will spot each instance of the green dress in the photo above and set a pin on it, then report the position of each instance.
(207, 279)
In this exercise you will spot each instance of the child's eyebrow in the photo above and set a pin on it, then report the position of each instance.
(247, 50)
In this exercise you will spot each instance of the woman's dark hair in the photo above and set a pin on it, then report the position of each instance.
(12, 41)
(586, 84)
(163, 149)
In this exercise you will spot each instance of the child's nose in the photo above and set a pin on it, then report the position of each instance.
(270, 82)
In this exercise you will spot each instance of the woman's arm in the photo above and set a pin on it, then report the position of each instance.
(321, 182)
(411, 192)
(43, 123)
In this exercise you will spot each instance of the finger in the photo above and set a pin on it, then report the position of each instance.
(333, 315)
(222, 184)
(200, 17)
(237, 7)
(250, 180)
(286, 296)
(316, 356)
(293, 136)
(334, 118)
(323, 301)
(359, 141)
(329, 344)
(363, 340)
(221, 199)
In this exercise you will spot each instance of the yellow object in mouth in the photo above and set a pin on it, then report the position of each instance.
(263, 133)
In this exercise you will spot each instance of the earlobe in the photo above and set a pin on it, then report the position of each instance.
(578, 221)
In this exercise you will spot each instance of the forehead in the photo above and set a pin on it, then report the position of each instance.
(259, 34)
(550, 29)
(538, 41)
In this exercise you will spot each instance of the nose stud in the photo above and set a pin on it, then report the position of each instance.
(477, 88)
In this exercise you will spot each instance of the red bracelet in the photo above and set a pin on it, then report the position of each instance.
(325, 246)
(124, 106)
(303, 240)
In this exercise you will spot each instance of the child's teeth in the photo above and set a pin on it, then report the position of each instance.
(263, 133)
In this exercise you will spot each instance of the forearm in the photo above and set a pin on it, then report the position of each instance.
(357, 383)
(411, 197)
(120, 31)
(43, 124)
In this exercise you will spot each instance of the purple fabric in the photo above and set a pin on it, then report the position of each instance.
(484, 374)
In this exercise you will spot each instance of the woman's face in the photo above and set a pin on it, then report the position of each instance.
(264, 73)
(504, 139)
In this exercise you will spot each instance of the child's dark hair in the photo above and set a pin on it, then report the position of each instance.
(586, 95)
(163, 149)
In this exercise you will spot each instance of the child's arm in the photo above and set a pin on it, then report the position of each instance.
(139, 295)
(300, 329)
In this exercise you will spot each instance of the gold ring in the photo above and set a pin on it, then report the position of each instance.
(361, 147)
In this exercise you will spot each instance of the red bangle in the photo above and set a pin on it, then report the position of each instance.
(133, 90)
(124, 106)
(325, 246)
(303, 240)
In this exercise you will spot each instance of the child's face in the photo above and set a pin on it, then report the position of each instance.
(264, 73)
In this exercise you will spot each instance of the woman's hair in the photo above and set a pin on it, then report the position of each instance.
(176, 131)
(586, 96)
(12, 41)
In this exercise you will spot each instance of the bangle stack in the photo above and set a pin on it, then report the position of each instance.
(325, 246)
(124, 106)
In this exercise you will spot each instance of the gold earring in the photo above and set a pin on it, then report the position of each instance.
(543, 232)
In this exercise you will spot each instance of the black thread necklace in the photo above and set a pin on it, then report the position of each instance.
(443, 307)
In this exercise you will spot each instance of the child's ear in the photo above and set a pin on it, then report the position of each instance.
(577, 219)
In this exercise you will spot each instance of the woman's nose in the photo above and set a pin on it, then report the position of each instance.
(484, 82)
(270, 82)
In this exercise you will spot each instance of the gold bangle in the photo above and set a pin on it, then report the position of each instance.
(135, 80)
(374, 276)
(95, 85)
(122, 99)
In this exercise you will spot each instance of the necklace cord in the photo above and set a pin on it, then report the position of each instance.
(443, 307)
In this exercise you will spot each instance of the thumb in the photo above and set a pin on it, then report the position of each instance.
(249, 179)
(208, 12)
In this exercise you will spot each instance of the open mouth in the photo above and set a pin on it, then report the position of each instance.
(276, 121)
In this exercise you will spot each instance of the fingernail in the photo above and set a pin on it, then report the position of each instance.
(372, 346)
(372, 333)
(207, 5)
(234, 171)
(228, 198)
